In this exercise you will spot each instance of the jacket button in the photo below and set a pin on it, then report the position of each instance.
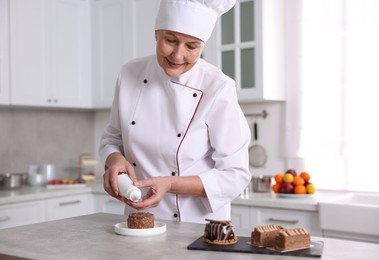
(179, 135)
(134, 164)
(173, 173)
(194, 95)
(145, 81)
(133, 122)
(175, 215)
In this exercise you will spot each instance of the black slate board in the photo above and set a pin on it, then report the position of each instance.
(243, 246)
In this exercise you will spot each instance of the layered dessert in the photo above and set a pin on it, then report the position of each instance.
(219, 232)
(292, 238)
(265, 235)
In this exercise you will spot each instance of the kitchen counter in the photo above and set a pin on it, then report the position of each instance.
(268, 200)
(295, 202)
(28, 193)
(93, 237)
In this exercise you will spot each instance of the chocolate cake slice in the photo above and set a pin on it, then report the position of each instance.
(265, 235)
(292, 238)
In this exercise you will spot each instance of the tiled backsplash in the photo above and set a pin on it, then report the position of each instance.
(36, 136)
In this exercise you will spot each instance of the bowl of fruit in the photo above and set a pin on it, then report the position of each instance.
(291, 184)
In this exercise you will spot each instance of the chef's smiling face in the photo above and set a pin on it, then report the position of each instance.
(176, 52)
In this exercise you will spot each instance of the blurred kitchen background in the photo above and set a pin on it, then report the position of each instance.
(311, 66)
(306, 75)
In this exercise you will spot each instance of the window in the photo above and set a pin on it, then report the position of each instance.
(331, 128)
(238, 44)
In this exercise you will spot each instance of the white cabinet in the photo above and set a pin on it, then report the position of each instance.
(68, 53)
(248, 45)
(122, 30)
(4, 53)
(107, 204)
(50, 53)
(69, 206)
(249, 217)
(241, 217)
(24, 213)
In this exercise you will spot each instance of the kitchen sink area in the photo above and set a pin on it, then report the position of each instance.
(352, 215)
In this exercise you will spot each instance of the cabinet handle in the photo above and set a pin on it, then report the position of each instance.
(5, 218)
(295, 221)
(69, 203)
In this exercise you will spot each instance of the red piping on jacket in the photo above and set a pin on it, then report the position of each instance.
(181, 141)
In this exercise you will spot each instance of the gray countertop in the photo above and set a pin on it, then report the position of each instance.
(271, 200)
(93, 237)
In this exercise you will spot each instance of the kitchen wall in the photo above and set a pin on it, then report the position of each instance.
(29, 136)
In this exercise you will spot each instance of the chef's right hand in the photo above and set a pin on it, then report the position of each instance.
(115, 164)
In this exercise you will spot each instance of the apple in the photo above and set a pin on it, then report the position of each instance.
(54, 182)
(286, 188)
(291, 171)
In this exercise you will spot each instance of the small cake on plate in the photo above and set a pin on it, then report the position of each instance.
(264, 235)
(219, 232)
(139, 220)
(291, 239)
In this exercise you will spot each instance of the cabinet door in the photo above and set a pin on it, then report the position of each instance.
(25, 213)
(69, 206)
(247, 44)
(50, 53)
(108, 204)
(112, 45)
(28, 49)
(4, 53)
(241, 217)
(123, 30)
(69, 67)
(286, 218)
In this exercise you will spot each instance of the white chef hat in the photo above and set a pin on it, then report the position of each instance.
(192, 17)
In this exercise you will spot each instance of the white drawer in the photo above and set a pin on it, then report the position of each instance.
(17, 214)
(69, 206)
(286, 218)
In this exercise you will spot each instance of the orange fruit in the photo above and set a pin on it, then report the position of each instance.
(305, 176)
(278, 178)
(300, 189)
(288, 178)
(297, 180)
(275, 187)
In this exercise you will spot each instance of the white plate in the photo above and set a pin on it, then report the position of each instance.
(294, 196)
(122, 229)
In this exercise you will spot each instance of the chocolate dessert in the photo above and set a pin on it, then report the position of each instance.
(139, 220)
(219, 232)
(265, 235)
(292, 238)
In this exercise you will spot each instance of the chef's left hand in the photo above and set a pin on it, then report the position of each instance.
(158, 186)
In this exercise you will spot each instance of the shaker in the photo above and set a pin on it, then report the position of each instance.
(127, 189)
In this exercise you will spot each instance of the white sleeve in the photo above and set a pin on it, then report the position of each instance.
(229, 135)
(111, 140)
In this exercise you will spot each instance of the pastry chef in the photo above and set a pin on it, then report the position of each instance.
(176, 127)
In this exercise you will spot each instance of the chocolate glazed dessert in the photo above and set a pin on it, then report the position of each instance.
(219, 232)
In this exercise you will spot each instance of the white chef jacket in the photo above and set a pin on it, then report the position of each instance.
(185, 126)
